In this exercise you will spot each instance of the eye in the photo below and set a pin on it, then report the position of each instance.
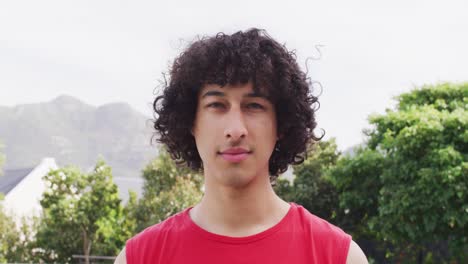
(255, 106)
(215, 105)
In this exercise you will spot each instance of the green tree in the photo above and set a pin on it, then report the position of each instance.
(167, 190)
(311, 187)
(410, 184)
(356, 178)
(114, 231)
(15, 238)
(80, 212)
(424, 195)
(9, 235)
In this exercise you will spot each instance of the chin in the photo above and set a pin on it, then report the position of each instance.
(237, 179)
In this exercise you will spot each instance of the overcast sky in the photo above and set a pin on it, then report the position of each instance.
(105, 51)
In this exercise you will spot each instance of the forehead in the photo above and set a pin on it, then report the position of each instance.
(240, 90)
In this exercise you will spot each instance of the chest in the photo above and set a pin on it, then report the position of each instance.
(279, 248)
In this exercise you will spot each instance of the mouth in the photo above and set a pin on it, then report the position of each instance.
(235, 155)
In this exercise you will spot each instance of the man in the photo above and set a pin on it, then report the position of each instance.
(238, 108)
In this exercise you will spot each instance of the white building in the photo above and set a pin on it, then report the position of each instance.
(23, 188)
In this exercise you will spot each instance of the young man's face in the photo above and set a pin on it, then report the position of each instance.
(235, 132)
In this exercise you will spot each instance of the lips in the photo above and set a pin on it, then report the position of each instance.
(235, 154)
(235, 151)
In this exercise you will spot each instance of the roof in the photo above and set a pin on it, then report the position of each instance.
(11, 178)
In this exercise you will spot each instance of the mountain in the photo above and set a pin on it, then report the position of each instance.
(74, 132)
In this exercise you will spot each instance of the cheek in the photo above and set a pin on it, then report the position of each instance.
(204, 132)
(272, 125)
(265, 130)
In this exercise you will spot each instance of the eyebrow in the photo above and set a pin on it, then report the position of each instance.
(222, 94)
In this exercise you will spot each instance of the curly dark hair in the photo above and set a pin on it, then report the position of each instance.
(250, 56)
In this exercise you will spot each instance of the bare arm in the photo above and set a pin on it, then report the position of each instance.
(355, 255)
(121, 258)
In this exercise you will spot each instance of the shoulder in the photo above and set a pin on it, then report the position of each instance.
(121, 258)
(355, 255)
(317, 225)
(331, 236)
(173, 223)
(150, 240)
(329, 243)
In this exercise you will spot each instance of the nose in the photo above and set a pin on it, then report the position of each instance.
(235, 128)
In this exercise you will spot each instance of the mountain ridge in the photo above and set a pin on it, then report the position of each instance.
(76, 133)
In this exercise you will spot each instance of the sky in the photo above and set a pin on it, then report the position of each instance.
(364, 53)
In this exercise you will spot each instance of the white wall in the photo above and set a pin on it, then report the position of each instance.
(23, 200)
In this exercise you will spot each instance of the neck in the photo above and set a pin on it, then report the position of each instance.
(239, 211)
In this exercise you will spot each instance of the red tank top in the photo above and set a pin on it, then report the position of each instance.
(299, 238)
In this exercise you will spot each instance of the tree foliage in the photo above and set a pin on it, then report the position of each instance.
(410, 184)
(311, 187)
(357, 181)
(81, 214)
(9, 235)
(167, 190)
(424, 194)
(15, 237)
